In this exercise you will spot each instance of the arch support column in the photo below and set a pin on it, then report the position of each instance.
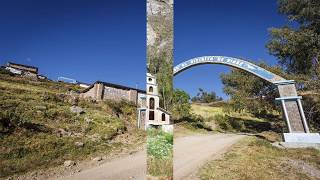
(294, 115)
(291, 106)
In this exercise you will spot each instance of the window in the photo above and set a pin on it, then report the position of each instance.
(151, 89)
(163, 117)
(151, 103)
(151, 115)
(150, 79)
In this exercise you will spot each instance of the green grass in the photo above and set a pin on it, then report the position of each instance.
(159, 154)
(31, 114)
(254, 158)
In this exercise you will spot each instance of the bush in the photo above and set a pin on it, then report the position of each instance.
(228, 123)
(311, 105)
(120, 107)
(197, 121)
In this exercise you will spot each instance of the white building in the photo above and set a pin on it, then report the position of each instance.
(155, 115)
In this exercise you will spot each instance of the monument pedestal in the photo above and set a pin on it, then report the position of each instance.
(301, 137)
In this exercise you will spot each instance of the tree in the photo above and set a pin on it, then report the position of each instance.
(181, 104)
(298, 47)
(160, 49)
(249, 92)
(206, 97)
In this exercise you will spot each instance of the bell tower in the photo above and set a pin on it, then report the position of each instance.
(152, 99)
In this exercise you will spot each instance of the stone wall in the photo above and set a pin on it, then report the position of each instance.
(99, 92)
(116, 94)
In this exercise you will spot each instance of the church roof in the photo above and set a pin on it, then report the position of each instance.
(115, 86)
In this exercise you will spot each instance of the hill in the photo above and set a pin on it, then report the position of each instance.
(43, 124)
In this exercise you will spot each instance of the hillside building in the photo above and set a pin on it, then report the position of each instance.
(101, 91)
(22, 69)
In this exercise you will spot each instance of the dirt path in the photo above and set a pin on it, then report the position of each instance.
(129, 167)
(190, 153)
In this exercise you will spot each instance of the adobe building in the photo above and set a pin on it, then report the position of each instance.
(22, 69)
(101, 91)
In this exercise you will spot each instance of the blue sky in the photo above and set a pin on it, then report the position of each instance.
(105, 40)
(236, 28)
(87, 40)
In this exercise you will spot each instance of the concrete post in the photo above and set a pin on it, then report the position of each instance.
(304, 120)
(139, 118)
(286, 115)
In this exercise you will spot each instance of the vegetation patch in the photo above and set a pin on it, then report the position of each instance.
(160, 154)
(219, 118)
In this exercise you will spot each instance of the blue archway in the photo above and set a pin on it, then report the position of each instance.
(290, 101)
(229, 61)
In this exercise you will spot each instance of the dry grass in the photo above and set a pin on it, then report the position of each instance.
(159, 168)
(206, 111)
(253, 158)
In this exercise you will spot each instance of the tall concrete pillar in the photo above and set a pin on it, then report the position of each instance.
(294, 115)
(292, 109)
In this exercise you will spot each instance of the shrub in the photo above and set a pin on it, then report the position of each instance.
(228, 123)
(197, 121)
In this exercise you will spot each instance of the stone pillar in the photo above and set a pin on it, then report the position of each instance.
(99, 91)
(133, 96)
(292, 108)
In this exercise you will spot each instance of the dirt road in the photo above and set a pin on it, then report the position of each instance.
(129, 167)
(190, 153)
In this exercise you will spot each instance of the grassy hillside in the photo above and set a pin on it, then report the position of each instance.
(218, 118)
(38, 128)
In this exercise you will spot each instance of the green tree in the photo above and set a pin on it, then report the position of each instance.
(249, 92)
(160, 52)
(181, 104)
(297, 44)
(206, 97)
